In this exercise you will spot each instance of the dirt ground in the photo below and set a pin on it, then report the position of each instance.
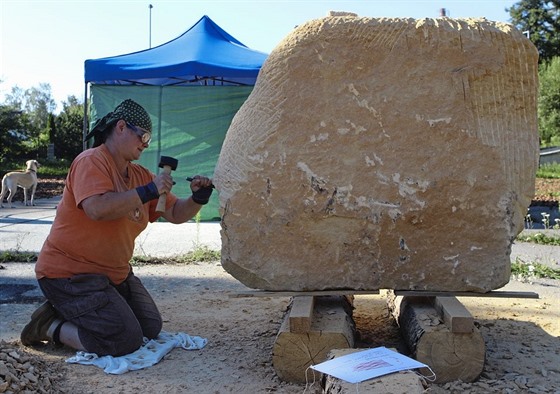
(522, 336)
(522, 340)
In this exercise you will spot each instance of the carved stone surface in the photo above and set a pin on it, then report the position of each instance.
(382, 153)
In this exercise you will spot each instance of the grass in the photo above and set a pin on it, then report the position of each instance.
(201, 254)
(549, 171)
(58, 168)
(55, 169)
(539, 238)
(17, 257)
(524, 269)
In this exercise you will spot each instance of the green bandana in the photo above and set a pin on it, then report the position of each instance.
(129, 111)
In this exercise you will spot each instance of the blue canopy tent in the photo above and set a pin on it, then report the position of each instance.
(192, 87)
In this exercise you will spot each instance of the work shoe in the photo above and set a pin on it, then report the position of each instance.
(35, 332)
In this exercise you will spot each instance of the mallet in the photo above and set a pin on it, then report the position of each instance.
(168, 164)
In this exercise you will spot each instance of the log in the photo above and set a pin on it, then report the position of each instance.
(332, 327)
(405, 382)
(451, 355)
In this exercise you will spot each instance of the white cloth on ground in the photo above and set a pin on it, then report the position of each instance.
(150, 353)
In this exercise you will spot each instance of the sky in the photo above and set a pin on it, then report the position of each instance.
(47, 41)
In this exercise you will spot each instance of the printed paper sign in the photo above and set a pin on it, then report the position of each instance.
(368, 364)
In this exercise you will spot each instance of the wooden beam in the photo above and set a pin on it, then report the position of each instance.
(266, 293)
(414, 293)
(454, 315)
(301, 314)
(498, 294)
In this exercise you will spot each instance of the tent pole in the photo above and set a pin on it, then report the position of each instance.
(84, 131)
(160, 100)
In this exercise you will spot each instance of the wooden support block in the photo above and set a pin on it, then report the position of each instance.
(405, 382)
(454, 314)
(332, 327)
(301, 313)
(451, 355)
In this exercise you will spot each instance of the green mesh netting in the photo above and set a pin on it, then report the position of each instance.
(189, 124)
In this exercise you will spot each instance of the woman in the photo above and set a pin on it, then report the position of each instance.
(95, 302)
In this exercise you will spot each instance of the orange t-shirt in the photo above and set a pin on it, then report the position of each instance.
(79, 245)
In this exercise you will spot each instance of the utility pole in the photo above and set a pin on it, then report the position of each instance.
(150, 7)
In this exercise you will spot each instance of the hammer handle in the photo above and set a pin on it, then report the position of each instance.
(163, 196)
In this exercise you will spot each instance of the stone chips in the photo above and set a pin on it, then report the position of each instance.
(382, 153)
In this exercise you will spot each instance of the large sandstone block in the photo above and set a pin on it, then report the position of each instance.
(382, 153)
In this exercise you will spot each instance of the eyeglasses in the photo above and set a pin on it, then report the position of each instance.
(145, 136)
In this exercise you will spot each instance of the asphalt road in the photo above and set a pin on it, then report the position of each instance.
(25, 228)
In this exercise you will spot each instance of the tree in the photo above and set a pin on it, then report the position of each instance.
(67, 136)
(16, 97)
(541, 20)
(37, 103)
(549, 102)
(12, 123)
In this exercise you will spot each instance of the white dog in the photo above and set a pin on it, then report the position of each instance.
(26, 180)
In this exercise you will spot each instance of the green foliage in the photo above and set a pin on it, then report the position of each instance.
(28, 125)
(37, 104)
(549, 102)
(549, 171)
(524, 269)
(17, 257)
(200, 254)
(67, 135)
(56, 168)
(12, 125)
(541, 19)
(539, 238)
